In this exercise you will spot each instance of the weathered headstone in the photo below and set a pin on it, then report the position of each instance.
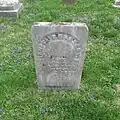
(117, 4)
(59, 51)
(10, 7)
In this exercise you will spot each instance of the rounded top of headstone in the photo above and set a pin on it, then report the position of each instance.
(60, 24)
(74, 25)
(8, 2)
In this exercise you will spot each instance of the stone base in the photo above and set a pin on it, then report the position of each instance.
(117, 6)
(11, 13)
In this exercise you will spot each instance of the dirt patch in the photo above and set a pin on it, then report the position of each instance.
(117, 87)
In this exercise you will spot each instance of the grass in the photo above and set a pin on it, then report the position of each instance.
(97, 99)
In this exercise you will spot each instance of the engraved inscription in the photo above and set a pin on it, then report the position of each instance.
(59, 56)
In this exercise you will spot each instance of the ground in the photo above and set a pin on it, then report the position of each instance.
(97, 99)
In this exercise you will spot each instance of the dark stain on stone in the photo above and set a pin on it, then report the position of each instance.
(51, 57)
(43, 64)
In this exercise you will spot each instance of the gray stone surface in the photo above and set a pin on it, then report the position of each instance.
(59, 52)
(10, 8)
(9, 4)
(117, 1)
(117, 4)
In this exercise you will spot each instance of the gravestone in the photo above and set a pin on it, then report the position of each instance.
(117, 4)
(10, 8)
(59, 52)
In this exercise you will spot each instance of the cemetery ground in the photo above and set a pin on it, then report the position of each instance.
(97, 98)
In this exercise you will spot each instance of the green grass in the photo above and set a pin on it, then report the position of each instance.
(97, 99)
